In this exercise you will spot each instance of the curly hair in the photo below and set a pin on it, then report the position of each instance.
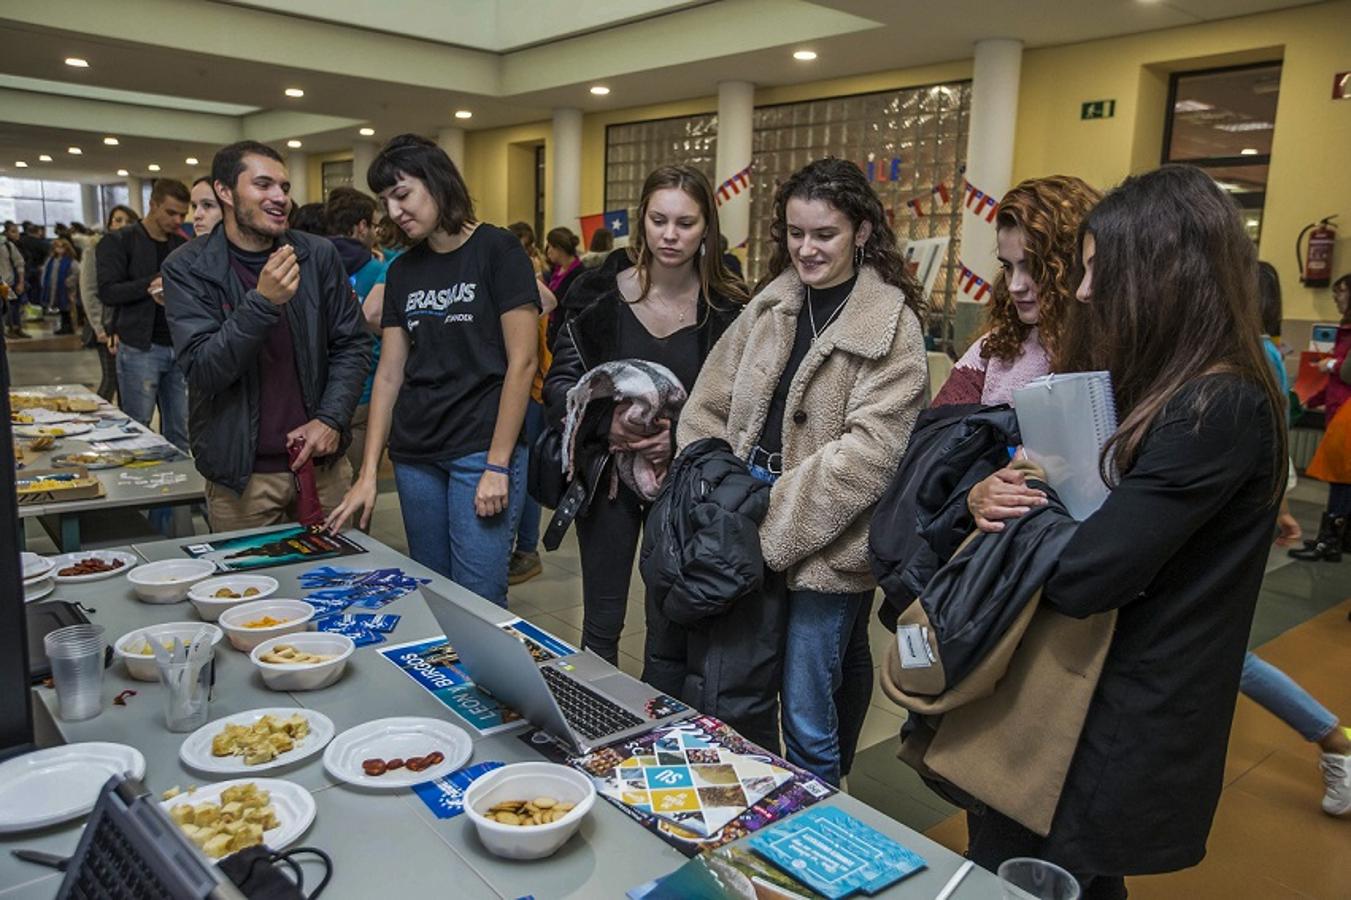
(842, 184)
(1048, 210)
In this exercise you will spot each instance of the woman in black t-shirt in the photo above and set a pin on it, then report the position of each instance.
(457, 360)
(666, 299)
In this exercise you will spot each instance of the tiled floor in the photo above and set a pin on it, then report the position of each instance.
(1270, 838)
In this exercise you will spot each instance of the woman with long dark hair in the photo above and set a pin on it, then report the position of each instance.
(458, 353)
(817, 386)
(667, 300)
(1198, 468)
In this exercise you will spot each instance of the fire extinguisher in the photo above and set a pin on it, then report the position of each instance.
(1315, 268)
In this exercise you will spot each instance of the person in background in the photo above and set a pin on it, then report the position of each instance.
(602, 242)
(1169, 310)
(271, 341)
(817, 386)
(129, 281)
(61, 283)
(526, 235)
(12, 277)
(35, 247)
(100, 317)
(1332, 461)
(309, 218)
(560, 249)
(667, 300)
(206, 211)
(1037, 233)
(349, 219)
(457, 358)
(729, 259)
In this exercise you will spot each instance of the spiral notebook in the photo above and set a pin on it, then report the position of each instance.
(1065, 421)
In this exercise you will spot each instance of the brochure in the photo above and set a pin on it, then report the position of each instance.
(278, 547)
(835, 853)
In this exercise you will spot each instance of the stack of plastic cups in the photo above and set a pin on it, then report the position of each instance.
(76, 654)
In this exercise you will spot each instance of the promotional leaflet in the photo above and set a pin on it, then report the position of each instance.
(278, 547)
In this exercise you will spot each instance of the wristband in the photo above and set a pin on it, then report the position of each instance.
(500, 470)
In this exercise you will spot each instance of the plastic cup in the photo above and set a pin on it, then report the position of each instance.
(76, 654)
(1024, 878)
(186, 693)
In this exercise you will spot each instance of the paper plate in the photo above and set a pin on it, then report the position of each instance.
(34, 566)
(49, 786)
(38, 590)
(129, 562)
(196, 750)
(294, 805)
(402, 737)
(69, 429)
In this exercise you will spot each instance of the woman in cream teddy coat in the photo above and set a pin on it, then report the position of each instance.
(817, 385)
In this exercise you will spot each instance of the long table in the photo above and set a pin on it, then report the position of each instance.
(378, 841)
(175, 484)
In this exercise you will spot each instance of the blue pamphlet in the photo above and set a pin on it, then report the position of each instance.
(834, 853)
(445, 796)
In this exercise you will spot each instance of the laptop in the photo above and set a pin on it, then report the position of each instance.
(580, 699)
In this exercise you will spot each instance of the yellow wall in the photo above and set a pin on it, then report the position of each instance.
(314, 168)
(499, 168)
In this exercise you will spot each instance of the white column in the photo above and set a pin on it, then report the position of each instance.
(989, 149)
(363, 154)
(565, 151)
(732, 183)
(134, 195)
(298, 168)
(89, 201)
(452, 141)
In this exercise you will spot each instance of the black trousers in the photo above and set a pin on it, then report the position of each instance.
(994, 837)
(608, 539)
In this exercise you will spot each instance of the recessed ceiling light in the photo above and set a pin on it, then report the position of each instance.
(294, 145)
(191, 160)
(76, 62)
(366, 132)
(599, 90)
(20, 164)
(154, 167)
(805, 55)
(294, 92)
(1248, 151)
(110, 141)
(463, 114)
(44, 157)
(123, 172)
(74, 151)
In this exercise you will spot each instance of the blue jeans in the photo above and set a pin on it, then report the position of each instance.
(827, 680)
(146, 378)
(446, 535)
(527, 533)
(1279, 695)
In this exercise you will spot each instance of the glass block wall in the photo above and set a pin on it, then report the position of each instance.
(633, 150)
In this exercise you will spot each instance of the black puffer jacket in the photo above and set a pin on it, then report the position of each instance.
(922, 517)
(714, 638)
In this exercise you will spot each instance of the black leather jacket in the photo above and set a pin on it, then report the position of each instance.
(219, 330)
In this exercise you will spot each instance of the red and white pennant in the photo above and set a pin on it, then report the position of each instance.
(733, 186)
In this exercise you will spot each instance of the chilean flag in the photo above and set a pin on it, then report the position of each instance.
(940, 191)
(616, 220)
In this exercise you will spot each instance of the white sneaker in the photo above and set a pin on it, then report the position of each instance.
(1337, 781)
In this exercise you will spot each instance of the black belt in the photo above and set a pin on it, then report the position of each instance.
(770, 462)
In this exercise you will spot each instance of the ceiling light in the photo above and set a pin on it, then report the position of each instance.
(599, 90)
(463, 114)
(294, 92)
(154, 167)
(1233, 127)
(123, 172)
(366, 132)
(191, 160)
(805, 55)
(1248, 151)
(20, 164)
(74, 151)
(294, 144)
(110, 141)
(1191, 106)
(44, 157)
(77, 62)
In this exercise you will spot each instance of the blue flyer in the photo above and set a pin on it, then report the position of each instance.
(835, 854)
(445, 796)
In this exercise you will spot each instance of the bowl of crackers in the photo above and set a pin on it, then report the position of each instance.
(215, 595)
(528, 810)
(250, 624)
(305, 661)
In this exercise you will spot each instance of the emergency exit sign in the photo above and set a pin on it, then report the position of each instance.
(1097, 109)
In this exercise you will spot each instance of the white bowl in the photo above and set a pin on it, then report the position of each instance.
(526, 781)
(304, 676)
(168, 581)
(297, 614)
(142, 667)
(210, 608)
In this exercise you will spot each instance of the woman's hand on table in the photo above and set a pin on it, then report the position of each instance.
(359, 501)
(1002, 496)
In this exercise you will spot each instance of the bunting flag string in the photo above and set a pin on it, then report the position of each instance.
(980, 203)
(735, 185)
(971, 283)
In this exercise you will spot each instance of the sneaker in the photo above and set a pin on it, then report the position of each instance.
(523, 567)
(1337, 782)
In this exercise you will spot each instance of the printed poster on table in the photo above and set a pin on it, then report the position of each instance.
(278, 547)
(434, 664)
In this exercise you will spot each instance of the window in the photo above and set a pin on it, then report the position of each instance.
(337, 173)
(635, 149)
(41, 202)
(1222, 120)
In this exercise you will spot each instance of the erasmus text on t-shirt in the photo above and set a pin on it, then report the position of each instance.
(452, 304)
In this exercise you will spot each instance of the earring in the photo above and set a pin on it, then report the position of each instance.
(701, 250)
(858, 257)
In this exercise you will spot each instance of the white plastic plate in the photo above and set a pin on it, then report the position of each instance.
(49, 786)
(129, 562)
(196, 750)
(402, 737)
(34, 566)
(294, 805)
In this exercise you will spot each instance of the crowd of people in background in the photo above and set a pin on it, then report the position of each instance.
(273, 338)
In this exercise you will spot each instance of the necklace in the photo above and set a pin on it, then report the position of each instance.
(811, 313)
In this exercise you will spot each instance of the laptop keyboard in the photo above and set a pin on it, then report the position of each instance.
(112, 869)
(590, 715)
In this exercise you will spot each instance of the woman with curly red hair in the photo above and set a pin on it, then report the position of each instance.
(1037, 226)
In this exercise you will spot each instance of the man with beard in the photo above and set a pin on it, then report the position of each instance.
(129, 284)
(254, 305)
